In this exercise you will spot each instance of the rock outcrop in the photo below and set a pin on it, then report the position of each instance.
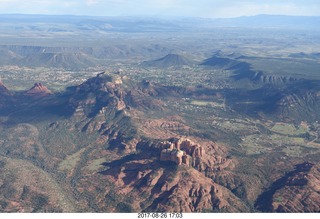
(208, 157)
(97, 95)
(180, 151)
(173, 155)
(38, 90)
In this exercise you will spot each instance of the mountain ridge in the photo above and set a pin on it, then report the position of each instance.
(124, 23)
(170, 60)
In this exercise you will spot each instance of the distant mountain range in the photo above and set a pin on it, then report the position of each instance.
(69, 23)
(72, 57)
(270, 21)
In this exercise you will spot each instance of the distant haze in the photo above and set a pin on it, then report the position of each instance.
(189, 8)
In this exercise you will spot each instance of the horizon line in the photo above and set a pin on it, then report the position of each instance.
(155, 16)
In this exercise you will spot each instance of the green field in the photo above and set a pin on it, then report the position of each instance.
(289, 129)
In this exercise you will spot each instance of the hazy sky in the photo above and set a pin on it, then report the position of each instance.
(192, 8)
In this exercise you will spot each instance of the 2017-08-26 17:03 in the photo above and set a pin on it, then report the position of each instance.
(160, 215)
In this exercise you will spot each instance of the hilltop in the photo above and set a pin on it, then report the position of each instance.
(170, 60)
(38, 90)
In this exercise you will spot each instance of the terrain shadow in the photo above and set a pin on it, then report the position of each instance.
(19, 108)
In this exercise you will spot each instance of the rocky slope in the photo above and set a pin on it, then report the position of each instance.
(300, 101)
(4, 95)
(38, 90)
(3, 89)
(166, 187)
(26, 188)
(8, 57)
(297, 191)
(74, 57)
(170, 60)
(300, 194)
(295, 101)
(68, 60)
(221, 62)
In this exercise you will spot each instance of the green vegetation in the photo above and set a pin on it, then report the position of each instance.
(123, 208)
(71, 161)
(95, 165)
(207, 103)
(39, 201)
(293, 151)
(289, 129)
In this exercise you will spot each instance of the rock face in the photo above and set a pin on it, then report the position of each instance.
(180, 151)
(297, 191)
(301, 192)
(99, 106)
(206, 157)
(171, 188)
(174, 155)
(192, 149)
(302, 103)
(96, 95)
(38, 90)
(195, 193)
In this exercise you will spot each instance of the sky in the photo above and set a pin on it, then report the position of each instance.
(186, 8)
